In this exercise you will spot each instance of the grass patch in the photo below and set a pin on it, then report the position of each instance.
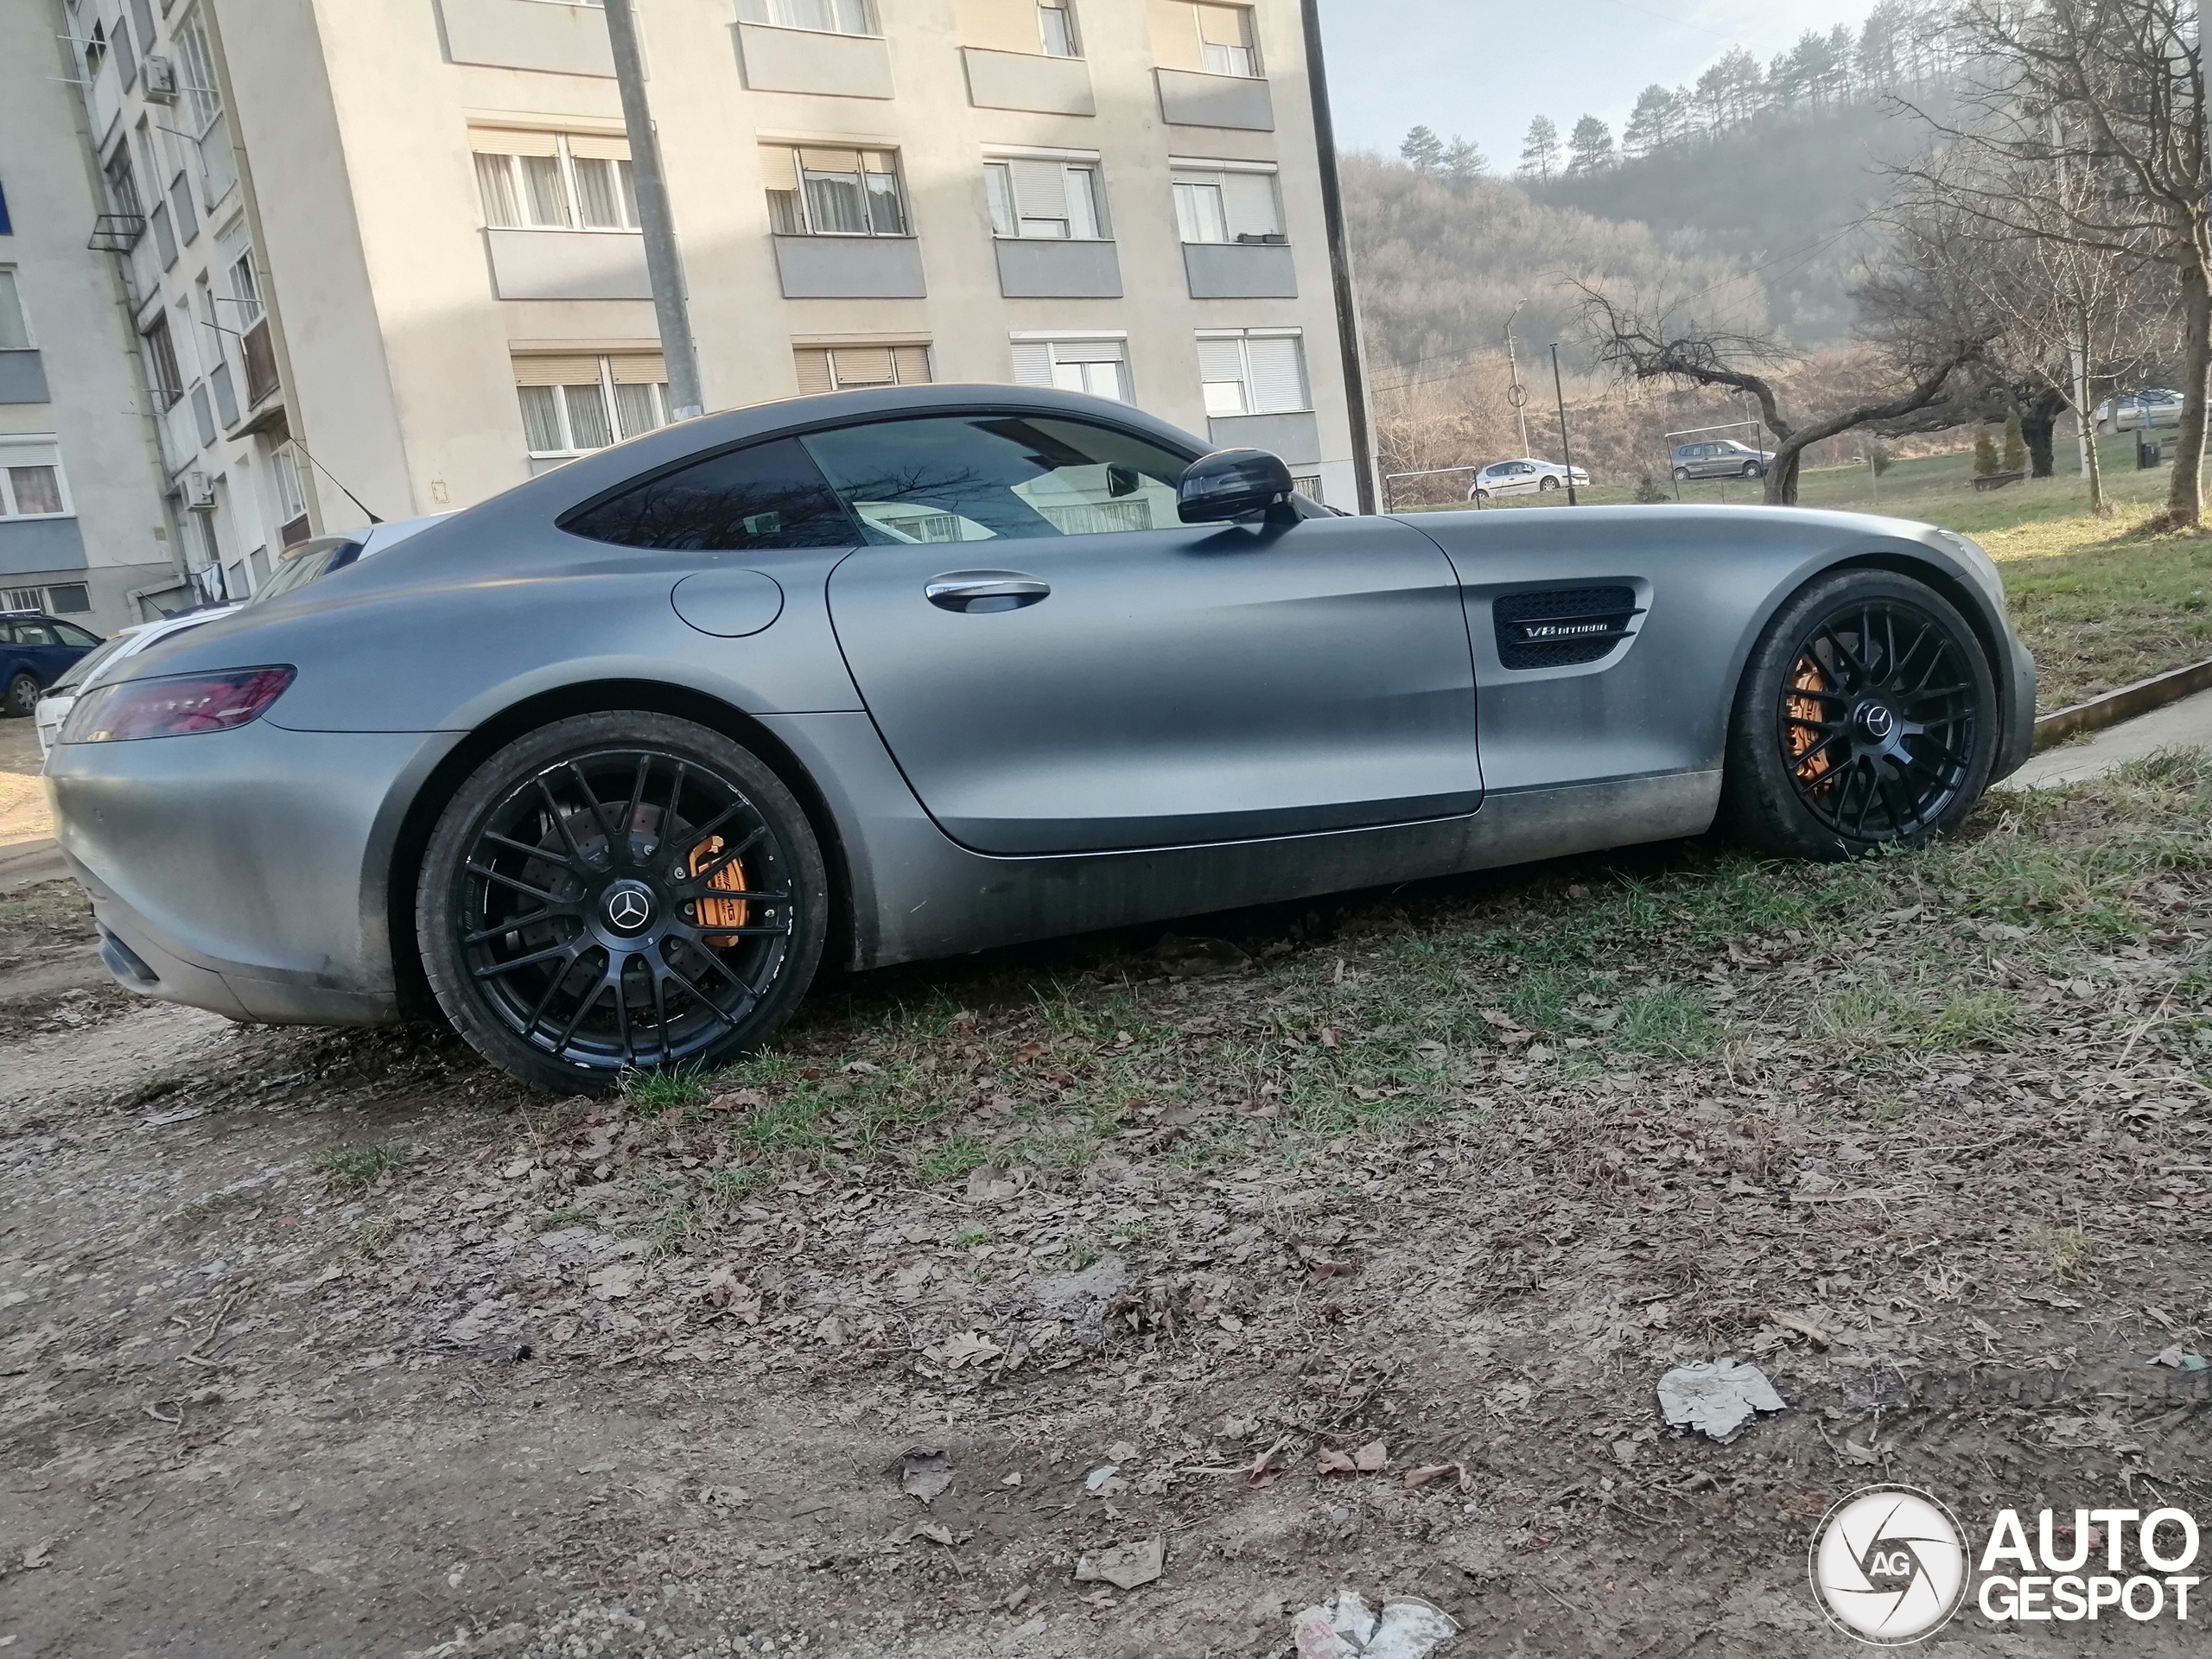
(371, 1238)
(351, 1168)
(650, 1093)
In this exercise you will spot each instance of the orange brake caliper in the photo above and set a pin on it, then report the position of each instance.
(720, 913)
(1799, 738)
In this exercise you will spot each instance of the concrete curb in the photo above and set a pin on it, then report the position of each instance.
(2125, 703)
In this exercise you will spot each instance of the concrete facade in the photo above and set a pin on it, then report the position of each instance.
(412, 279)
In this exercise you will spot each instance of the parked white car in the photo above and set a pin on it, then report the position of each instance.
(297, 566)
(2138, 411)
(1526, 476)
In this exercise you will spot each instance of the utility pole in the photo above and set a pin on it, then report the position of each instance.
(663, 268)
(1516, 394)
(1340, 273)
(1567, 453)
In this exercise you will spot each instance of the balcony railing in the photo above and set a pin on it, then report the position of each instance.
(117, 232)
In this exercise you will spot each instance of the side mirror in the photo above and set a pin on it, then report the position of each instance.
(1231, 484)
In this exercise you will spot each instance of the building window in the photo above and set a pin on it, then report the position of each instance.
(31, 485)
(289, 498)
(1252, 371)
(245, 294)
(1097, 365)
(817, 192)
(1227, 201)
(1227, 44)
(123, 185)
(14, 327)
(161, 363)
(1056, 29)
(1045, 199)
(196, 76)
(574, 404)
(68, 598)
(839, 368)
(825, 16)
(554, 181)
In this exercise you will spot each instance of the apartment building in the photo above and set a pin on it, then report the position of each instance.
(384, 257)
(84, 533)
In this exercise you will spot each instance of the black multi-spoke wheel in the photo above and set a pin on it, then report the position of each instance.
(1867, 716)
(616, 893)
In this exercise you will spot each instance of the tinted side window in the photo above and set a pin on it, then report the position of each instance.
(769, 495)
(980, 478)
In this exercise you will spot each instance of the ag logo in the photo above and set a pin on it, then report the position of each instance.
(1889, 1565)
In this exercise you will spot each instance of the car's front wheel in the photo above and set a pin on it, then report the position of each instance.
(1752, 469)
(1480, 498)
(22, 699)
(1543, 484)
(616, 893)
(1866, 716)
(1681, 474)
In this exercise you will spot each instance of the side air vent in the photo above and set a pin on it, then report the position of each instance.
(1560, 627)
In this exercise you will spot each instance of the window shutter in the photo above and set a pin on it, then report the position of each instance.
(864, 365)
(503, 141)
(1248, 199)
(1087, 351)
(1224, 25)
(914, 364)
(778, 169)
(598, 147)
(561, 369)
(1032, 363)
(1278, 375)
(638, 369)
(1221, 359)
(830, 161)
(813, 371)
(1041, 189)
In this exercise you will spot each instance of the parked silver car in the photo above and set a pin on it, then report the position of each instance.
(1719, 458)
(2138, 411)
(602, 768)
(1525, 476)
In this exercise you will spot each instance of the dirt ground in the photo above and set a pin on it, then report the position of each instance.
(338, 1343)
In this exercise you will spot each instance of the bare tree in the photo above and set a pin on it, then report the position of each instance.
(1928, 338)
(2112, 94)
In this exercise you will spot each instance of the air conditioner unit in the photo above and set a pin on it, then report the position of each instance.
(157, 77)
(198, 493)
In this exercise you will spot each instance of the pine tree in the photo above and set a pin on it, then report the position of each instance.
(1984, 453)
(2016, 445)
(1540, 149)
(1462, 160)
(1590, 148)
(1652, 123)
(1423, 147)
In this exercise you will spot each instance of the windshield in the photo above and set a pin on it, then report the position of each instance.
(315, 557)
(79, 671)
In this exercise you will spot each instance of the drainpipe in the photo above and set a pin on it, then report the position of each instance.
(1340, 273)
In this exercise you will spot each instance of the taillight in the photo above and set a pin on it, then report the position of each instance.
(176, 706)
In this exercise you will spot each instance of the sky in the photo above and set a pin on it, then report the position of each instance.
(1481, 68)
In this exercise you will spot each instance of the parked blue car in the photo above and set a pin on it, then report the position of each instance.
(34, 649)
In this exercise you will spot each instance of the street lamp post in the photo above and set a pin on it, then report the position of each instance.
(1518, 397)
(664, 271)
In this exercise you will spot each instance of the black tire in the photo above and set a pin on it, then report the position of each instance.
(1481, 496)
(1752, 469)
(1546, 482)
(1867, 716)
(1681, 474)
(22, 701)
(571, 938)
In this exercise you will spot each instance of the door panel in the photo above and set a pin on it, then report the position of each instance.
(1197, 683)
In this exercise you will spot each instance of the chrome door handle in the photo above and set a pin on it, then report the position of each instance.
(974, 592)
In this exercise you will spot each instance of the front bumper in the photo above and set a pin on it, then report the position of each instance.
(244, 872)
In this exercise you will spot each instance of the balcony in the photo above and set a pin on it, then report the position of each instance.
(561, 40)
(568, 265)
(850, 267)
(1189, 99)
(778, 59)
(116, 232)
(1240, 271)
(1027, 80)
(36, 546)
(23, 377)
(1036, 269)
(1295, 437)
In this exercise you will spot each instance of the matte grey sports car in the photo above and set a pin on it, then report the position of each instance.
(603, 766)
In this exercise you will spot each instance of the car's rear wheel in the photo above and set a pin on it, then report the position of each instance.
(617, 892)
(1546, 483)
(1751, 469)
(1867, 716)
(1681, 474)
(1481, 497)
(22, 699)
